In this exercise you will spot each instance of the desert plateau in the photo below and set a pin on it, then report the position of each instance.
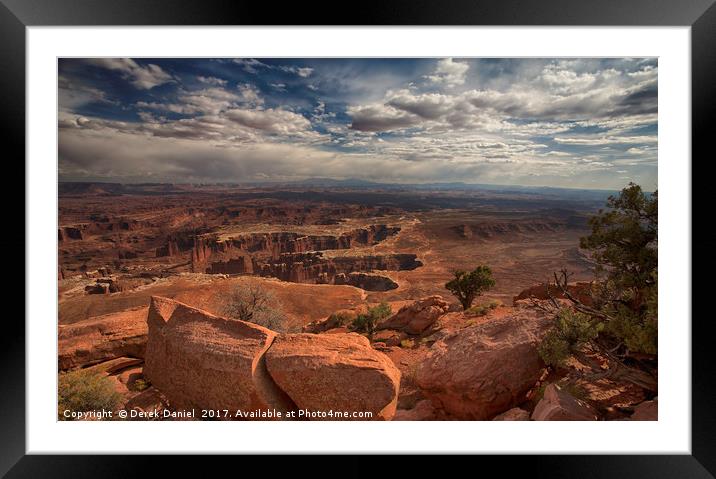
(152, 251)
(393, 239)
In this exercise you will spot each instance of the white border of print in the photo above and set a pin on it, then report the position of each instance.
(670, 434)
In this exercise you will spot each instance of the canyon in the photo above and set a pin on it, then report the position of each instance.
(298, 258)
(130, 253)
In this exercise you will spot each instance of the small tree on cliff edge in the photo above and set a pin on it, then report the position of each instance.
(621, 320)
(624, 244)
(466, 286)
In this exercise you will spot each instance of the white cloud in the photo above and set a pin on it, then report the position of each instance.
(73, 95)
(250, 94)
(555, 94)
(252, 65)
(212, 100)
(270, 120)
(449, 73)
(605, 140)
(212, 81)
(303, 72)
(142, 77)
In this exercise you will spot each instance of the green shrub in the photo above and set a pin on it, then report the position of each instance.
(466, 286)
(576, 391)
(571, 330)
(639, 333)
(483, 308)
(366, 322)
(407, 343)
(478, 310)
(336, 320)
(83, 390)
(140, 384)
(494, 303)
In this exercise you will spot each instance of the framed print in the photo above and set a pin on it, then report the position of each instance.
(355, 236)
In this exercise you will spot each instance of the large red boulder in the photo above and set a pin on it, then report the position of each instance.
(202, 361)
(335, 372)
(418, 316)
(486, 369)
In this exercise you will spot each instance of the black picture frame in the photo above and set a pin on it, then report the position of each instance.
(700, 15)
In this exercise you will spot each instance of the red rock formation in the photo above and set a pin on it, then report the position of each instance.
(334, 372)
(493, 229)
(97, 288)
(66, 233)
(198, 360)
(485, 369)
(580, 290)
(102, 338)
(314, 268)
(368, 282)
(239, 265)
(423, 411)
(514, 414)
(276, 244)
(177, 243)
(646, 411)
(203, 361)
(126, 254)
(308, 267)
(559, 405)
(416, 317)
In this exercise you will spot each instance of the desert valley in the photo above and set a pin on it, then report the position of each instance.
(137, 259)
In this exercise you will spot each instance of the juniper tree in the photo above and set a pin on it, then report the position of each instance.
(466, 286)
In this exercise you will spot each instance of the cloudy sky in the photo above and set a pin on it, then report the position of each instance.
(582, 123)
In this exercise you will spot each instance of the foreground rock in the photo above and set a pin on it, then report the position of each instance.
(558, 405)
(646, 411)
(102, 338)
(202, 361)
(485, 369)
(337, 372)
(389, 337)
(423, 411)
(418, 316)
(514, 414)
(580, 290)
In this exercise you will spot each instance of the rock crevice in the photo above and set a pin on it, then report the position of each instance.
(199, 360)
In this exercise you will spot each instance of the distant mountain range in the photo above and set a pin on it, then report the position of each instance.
(107, 188)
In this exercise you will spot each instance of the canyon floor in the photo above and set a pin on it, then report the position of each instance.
(144, 243)
(319, 250)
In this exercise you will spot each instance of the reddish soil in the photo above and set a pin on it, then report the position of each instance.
(118, 246)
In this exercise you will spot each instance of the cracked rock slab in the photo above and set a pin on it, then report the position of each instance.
(202, 361)
(336, 372)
